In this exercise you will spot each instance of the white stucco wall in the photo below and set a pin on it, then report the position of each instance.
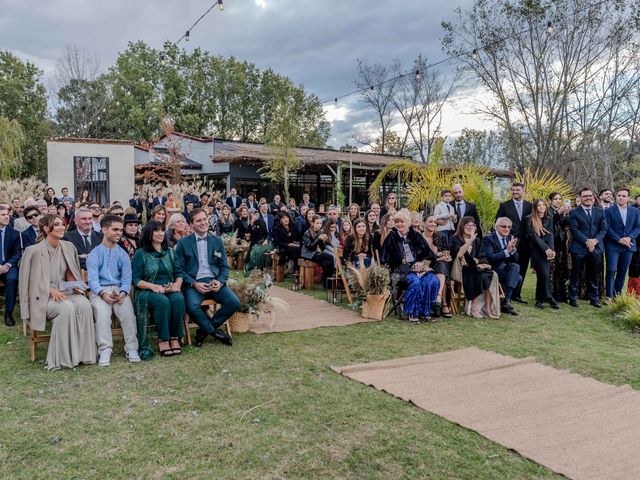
(60, 156)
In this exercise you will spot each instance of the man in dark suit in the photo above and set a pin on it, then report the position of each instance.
(233, 200)
(136, 203)
(274, 207)
(29, 235)
(588, 226)
(203, 261)
(191, 197)
(85, 238)
(10, 253)
(306, 201)
(517, 210)
(159, 199)
(623, 228)
(267, 217)
(464, 209)
(500, 249)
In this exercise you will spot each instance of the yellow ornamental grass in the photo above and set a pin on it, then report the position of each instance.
(541, 183)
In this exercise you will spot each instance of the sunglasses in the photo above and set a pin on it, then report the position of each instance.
(31, 217)
(504, 226)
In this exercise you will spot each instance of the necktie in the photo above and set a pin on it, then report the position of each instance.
(504, 243)
(459, 210)
(87, 242)
(589, 213)
(519, 210)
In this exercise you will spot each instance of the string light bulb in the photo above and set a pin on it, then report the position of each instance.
(549, 28)
(474, 54)
(186, 36)
(335, 101)
(417, 74)
(220, 5)
(371, 87)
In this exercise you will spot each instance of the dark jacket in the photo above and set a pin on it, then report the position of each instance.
(582, 229)
(518, 225)
(259, 232)
(28, 237)
(350, 255)
(12, 248)
(137, 204)
(283, 237)
(393, 249)
(187, 259)
(242, 227)
(75, 238)
(470, 210)
(617, 230)
(311, 246)
(494, 252)
(541, 243)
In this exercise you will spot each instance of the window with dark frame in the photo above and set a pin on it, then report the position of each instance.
(92, 174)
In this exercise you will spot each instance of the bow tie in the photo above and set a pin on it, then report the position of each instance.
(203, 239)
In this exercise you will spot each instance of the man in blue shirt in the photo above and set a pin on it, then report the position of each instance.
(109, 270)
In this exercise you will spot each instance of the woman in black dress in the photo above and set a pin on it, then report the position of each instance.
(242, 225)
(314, 244)
(224, 225)
(559, 211)
(540, 237)
(438, 244)
(286, 240)
(476, 277)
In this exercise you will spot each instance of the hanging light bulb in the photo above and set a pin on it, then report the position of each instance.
(220, 5)
(474, 54)
(549, 28)
(372, 87)
(417, 74)
(335, 101)
(141, 79)
(186, 36)
(117, 103)
(163, 62)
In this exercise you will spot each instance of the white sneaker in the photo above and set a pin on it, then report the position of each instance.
(133, 357)
(105, 358)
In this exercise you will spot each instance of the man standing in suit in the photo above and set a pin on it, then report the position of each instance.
(588, 226)
(500, 248)
(203, 261)
(159, 199)
(267, 217)
(10, 253)
(606, 198)
(274, 208)
(84, 238)
(136, 203)
(517, 210)
(29, 235)
(234, 201)
(623, 228)
(464, 208)
(191, 197)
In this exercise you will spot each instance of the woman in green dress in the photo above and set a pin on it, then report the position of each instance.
(157, 279)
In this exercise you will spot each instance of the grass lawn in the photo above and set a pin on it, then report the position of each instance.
(181, 417)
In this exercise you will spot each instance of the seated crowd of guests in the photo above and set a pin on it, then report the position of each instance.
(159, 272)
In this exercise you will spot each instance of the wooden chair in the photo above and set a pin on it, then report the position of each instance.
(209, 306)
(307, 272)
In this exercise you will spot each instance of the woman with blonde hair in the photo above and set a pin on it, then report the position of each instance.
(177, 228)
(540, 236)
(44, 270)
(353, 213)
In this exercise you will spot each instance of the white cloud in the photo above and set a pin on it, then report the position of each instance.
(261, 3)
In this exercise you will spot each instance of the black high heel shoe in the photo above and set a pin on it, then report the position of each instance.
(436, 311)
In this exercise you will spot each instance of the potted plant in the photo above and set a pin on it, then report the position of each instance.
(252, 291)
(371, 287)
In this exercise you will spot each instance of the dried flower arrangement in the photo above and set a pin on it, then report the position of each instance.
(374, 280)
(252, 291)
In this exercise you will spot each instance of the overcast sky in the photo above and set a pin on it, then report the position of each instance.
(315, 43)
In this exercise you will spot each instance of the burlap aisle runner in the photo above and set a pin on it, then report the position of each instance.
(573, 425)
(304, 313)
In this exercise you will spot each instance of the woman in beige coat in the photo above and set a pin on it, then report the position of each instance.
(44, 265)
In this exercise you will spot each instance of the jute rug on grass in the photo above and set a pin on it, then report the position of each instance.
(304, 313)
(571, 424)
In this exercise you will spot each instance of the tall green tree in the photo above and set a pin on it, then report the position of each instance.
(12, 138)
(23, 98)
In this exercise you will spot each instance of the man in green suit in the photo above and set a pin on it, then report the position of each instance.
(204, 263)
